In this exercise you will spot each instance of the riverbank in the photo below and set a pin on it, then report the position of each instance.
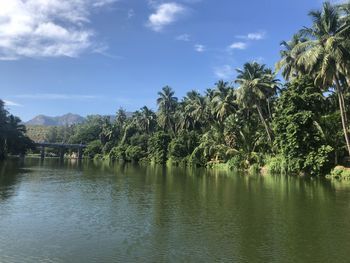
(276, 165)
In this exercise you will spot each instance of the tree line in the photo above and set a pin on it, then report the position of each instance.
(13, 139)
(299, 125)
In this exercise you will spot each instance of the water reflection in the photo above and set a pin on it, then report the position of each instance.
(96, 212)
(9, 177)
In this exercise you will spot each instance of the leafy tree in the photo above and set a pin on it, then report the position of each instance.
(13, 139)
(182, 146)
(134, 153)
(325, 54)
(296, 125)
(93, 148)
(88, 131)
(257, 86)
(158, 147)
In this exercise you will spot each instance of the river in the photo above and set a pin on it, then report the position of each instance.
(88, 212)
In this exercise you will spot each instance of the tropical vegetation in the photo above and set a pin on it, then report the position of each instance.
(291, 119)
(13, 139)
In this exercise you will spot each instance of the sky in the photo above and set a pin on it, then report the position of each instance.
(95, 56)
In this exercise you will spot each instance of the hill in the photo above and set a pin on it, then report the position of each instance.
(67, 119)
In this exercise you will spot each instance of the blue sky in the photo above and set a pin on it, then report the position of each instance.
(94, 56)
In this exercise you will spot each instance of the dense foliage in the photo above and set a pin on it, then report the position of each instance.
(297, 126)
(12, 134)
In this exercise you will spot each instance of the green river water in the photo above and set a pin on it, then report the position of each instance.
(70, 212)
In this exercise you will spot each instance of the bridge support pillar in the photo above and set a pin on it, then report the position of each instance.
(42, 152)
(61, 153)
(80, 153)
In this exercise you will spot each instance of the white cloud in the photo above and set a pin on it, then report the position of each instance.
(12, 103)
(199, 48)
(46, 28)
(164, 15)
(238, 45)
(184, 37)
(256, 36)
(253, 36)
(99, 3)
(224, 72)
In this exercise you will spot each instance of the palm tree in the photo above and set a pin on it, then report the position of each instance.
(213, 146)
(107, 130)
(288, 58)
(147, 120)
(198, 109)
(257, 86)
(120, 117)
(325, 54)
(167, 104)
(193, 112)
(223, 100)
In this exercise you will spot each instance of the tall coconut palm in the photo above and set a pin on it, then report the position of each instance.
(288, 58)
(199, 111)
(106, 131)
(326, 55)
(256, 86)
(120, 117)
(194, 111)
(223, 100)
(167, 104)
(147, 120)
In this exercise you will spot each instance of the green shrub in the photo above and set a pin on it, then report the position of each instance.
(93, 148)
(140, 140)
(107, 148)
(98, 157)
(158, 147)
(254, 169)
(181, 147)
(317, 162)
(236, 162)
(118, 153)
(277, 165)
(197, 158)
(134, 153)
(339, 173)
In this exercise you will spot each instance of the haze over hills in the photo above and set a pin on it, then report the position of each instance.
(66, 119)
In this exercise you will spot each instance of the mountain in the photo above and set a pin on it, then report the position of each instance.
(67, 119)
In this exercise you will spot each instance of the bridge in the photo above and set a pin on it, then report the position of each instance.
(62, 147)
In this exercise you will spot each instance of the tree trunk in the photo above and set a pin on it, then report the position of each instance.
(342, 114)
(267, 128)
(344, 107)
(335, 158)
(269, 108)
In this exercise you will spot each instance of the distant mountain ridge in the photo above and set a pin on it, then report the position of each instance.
(67, 119)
